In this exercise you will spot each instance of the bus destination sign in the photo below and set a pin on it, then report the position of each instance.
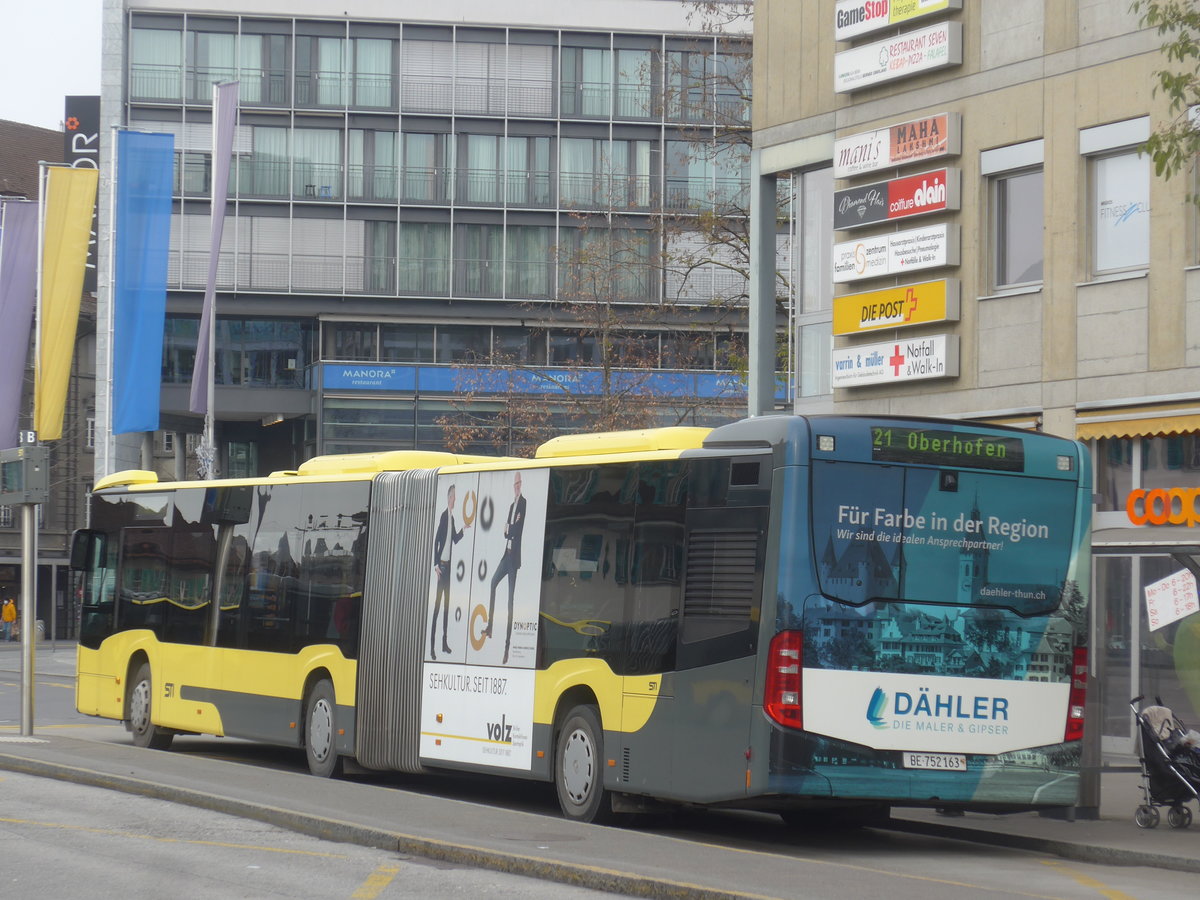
(947, 448)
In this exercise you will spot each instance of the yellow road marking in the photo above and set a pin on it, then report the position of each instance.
(1087, 881)
(166, 840)
(374, 886)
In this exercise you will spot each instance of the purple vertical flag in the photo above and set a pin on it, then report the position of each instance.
(18, 279)
(225, 104)
(145, 167)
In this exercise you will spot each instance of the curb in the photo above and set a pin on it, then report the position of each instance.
(1100, 855)
(576, 874)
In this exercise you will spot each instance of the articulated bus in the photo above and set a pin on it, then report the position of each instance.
(791, 614)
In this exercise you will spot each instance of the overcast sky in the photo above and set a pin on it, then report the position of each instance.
(48, 49)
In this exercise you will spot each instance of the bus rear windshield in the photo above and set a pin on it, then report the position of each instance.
(941, 536)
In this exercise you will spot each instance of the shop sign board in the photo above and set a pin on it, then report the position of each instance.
(1171, 599)
(897, 307)
(854, 18)
(932, 247)
(900, 198)
(902, 56)
(919, 140)
(932, 356)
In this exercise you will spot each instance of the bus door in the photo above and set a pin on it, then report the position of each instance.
(718, 634)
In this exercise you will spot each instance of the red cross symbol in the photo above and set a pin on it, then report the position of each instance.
(896, 361)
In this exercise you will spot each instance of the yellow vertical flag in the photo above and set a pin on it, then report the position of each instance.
(69, 200)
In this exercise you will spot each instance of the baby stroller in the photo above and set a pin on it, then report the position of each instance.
(1170, 766)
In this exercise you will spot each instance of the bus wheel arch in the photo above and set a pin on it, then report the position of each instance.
(139, 703)
(579, 765)
(319, 733)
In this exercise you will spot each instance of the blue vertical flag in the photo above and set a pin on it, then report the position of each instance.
(18, 276)
(145, 163)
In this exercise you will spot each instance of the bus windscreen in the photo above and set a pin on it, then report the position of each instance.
(887, 532)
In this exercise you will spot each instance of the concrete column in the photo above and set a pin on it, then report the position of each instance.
(761, 375)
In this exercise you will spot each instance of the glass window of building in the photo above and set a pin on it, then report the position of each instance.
(262, 69)
(731, 88)
(479, 78)
(516, 345)
(321, 67)
(530, 80)
(211, 59)
(688, 167)
(427, 76)
(406, 343)
(529, 268)
(580, 162)
(373, 170)
(1120, 212)
(373, 81)
(597, 265)
(427, 168)
(351, 342)
(686, 77)
(1017, 216)
(634, 84)
(626, 170)
(573, 349)
(424, 260)
(379, 258)
(264, 172)
(478, 260)
(155, 64)
(462, 343)
(586, 82)
(731, 169)
(319, 251)
(317, 163)
(527, 171)
(482, 168)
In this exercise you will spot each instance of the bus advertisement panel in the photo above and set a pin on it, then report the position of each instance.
(477, 700)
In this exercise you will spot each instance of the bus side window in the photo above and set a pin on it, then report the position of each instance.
(589, 520)
(96, 557)
(656, 567)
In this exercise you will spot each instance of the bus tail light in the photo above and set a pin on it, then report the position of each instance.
(1077, 695)
(782, 698)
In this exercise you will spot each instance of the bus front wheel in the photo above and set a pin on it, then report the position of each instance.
(320, 730)
(579, 769)
(145, 732)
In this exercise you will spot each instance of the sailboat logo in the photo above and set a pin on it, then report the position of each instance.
(876, 707)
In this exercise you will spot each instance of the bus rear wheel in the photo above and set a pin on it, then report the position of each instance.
(320, 730)
(579, 768)
(138, 703)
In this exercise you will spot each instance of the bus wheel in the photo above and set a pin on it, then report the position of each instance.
(145, 733)
(320, 724)
(579, 770)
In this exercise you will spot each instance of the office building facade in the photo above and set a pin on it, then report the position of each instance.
(440, 215)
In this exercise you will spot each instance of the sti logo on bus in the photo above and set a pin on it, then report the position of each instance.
(936, 712)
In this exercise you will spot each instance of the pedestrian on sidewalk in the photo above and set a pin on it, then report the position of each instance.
(8, 616)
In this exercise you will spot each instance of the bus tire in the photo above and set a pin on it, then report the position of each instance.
(138, 703)
(579, 768)
(320, 730)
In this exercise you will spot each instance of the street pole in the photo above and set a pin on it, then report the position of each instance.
(28, 611)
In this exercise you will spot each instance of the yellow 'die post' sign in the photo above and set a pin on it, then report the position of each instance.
(897, 307)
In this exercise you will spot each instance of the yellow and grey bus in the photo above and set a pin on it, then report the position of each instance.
(784, 613)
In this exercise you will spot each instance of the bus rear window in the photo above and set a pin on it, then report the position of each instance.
(941, 536)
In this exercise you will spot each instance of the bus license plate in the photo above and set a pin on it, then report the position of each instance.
(948, 762)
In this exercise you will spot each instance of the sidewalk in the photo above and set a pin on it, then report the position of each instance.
(352, 812)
